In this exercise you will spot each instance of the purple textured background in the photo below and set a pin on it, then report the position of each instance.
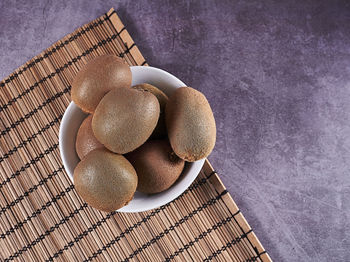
(278, 78)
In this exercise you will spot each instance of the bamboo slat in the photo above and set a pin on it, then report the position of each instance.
(41, 216)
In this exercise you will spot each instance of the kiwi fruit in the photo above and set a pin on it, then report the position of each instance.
(125, 118)
(98, 77)
(106, 181)
(156, 165)
(160, 130)
(190, 123)
(85, 140)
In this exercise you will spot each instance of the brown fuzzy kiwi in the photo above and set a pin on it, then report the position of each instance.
(160, 130)
(190, 124)
(98, 77)
(106, 181)
(125, 118)
(85, 140)
(156, 165)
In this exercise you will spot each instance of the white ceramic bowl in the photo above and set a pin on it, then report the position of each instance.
(73, 117)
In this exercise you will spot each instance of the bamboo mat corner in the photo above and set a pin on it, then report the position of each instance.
(41, 216)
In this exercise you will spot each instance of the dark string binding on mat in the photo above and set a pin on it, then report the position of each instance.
(80, 236)
(129, 229)
(223, 248)
(247, 233)
(236, 213)
(251, 230)
(173, 227)
(62, 68)
(212, 173)
(35, 110)
(47, 232)
(144, 62)
(240, 227)
(31, 190)
(259, 254)
(28, 164)
(37, 212)
(204, 234)
(124, 28)
(111, 14)
(49, 53)
(165, 232)
(256, 257)
(29, 139)
(127, 50)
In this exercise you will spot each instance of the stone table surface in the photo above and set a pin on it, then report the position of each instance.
(277, 75)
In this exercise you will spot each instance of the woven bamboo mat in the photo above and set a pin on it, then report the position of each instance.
(41, 216)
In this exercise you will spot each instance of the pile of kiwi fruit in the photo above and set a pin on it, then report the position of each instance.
(135, 137)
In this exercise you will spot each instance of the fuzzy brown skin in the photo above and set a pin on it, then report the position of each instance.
(97, 78)
(86, 141)
(160, 130)
(125, 118)
(190, 124)
(156, 165)
(106, 181)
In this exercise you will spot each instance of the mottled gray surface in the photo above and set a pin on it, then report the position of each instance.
(278, 78)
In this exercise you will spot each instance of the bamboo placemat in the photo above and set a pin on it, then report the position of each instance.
(41, 216)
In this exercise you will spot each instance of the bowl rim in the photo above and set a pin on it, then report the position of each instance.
(168, 196)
